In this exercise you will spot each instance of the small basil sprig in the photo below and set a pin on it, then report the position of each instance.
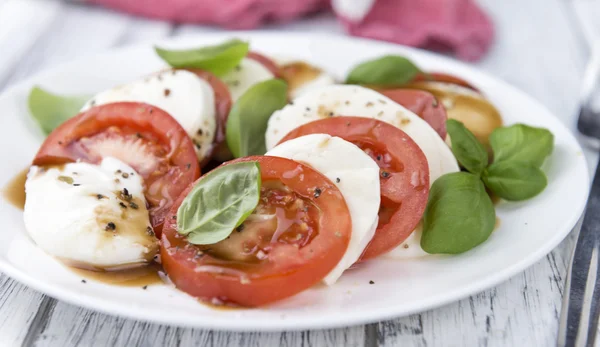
(521, 143)
(459, 215)
(249, 116)
(220, 202)
(50, 110)
(468, 151)
(519, 151)
(389, 70)
(218, 59)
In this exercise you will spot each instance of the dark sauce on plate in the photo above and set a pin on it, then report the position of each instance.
(140, 276)
(14, 191)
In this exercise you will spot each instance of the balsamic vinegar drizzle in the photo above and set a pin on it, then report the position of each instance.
(14, 191)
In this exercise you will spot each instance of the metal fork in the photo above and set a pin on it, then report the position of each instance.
(581, 301)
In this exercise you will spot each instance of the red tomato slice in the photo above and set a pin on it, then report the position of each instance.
(404, 174)
(267, 62)
(422, 103)
(143, 136)
(444, 77)
(296, 236)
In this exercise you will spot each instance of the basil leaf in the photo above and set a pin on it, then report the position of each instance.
(459, 214)
(522, 143)
(218, 59)
(220, 202)
(514, 181)
(50, 110)
(247, 122)
(389, 70)
(466, 148)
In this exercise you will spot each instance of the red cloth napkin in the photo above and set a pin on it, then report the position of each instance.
(458, 26)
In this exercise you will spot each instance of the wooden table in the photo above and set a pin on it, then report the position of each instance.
(541, 48)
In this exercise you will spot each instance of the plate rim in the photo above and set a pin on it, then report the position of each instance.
(375, 315)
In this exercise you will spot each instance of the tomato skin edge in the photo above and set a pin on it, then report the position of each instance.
(423, 104)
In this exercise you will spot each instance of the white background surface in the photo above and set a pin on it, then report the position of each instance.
(540, 48)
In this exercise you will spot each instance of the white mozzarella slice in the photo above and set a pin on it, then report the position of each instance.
(80, 213)
(354, 173)
(245, 75)
(186, 97)
(350, 100)
(319, 81)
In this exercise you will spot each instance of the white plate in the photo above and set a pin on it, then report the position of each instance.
(527, 232)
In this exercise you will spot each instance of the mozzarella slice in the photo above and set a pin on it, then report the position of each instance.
(354, 173)
(82, 214)
(350, 100)
(302, 77)
(320, 80)
(244, 76)
(186, 97)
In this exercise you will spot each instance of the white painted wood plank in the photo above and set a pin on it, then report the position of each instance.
(70, 325)
(587, 14)
(538, 51)
(22, 23)
(78, 31)
(18, 308)
(145, 30)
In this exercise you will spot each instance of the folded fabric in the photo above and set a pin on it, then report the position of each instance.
(446, 25)
(457, 26)
(232, 14)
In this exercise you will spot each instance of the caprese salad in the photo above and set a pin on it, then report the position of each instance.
(304, 176)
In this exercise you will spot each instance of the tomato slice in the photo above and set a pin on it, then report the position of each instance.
(296, 236)
(267, 62)
(444, 77)
(143, 136)
(404, 174)
(422, 103)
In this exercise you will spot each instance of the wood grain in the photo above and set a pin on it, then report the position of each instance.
(18, 308)
(93, 329)
(541, 48)
(23, 24)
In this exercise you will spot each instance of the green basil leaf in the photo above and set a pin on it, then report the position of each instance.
(389, 70)
(522, 143)
(459, 214)
(514, 181)
(247, 122)
(466, 148)
(218, 59)
(50, 110)
(220, 202)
